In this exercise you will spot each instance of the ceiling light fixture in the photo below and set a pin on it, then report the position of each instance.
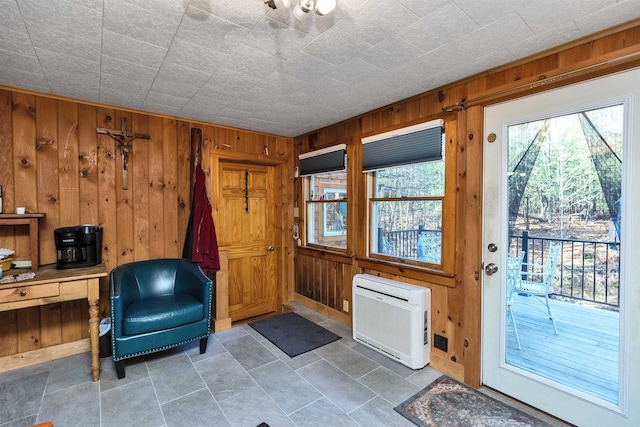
(302, 8)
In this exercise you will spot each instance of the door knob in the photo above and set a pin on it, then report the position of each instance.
(492, 247)
(491, 268)
(271, 248)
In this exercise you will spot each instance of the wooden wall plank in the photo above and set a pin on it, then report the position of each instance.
(106, 162)
(9, 333)
(170, 188)
(68, 164)
(156, 189)
(88, 164)
(124, 201)
(25, 168)
(7, 235)
(48, 194)
(140, 174)
(28, 321)
(184, 190)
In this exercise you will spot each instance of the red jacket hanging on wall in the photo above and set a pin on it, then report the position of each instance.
(204, 250)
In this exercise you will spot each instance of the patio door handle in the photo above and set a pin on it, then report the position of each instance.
(491, 268)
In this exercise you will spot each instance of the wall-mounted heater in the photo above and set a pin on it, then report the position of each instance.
(393, 318)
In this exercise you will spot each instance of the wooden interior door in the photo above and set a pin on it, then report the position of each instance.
(246, 229)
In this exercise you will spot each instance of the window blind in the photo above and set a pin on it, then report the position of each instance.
(414, 144)
(324, 160)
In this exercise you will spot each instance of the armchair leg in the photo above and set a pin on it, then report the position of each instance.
(203, 345)
(119, 369)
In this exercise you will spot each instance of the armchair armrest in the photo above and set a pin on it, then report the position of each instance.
(192, 281)
(121, 296)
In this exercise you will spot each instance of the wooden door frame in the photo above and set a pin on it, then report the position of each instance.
(220, 313)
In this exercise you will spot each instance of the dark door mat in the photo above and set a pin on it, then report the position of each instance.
(293, 334)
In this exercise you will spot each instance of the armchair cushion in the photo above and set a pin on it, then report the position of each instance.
(163, 312)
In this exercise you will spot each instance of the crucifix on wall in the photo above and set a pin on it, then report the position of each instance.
(124, 139)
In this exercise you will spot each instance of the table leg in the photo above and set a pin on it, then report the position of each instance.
(94, 322)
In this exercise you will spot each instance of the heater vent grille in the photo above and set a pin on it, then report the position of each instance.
(392, 318)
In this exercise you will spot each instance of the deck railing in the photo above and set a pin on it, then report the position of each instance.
(588, 270)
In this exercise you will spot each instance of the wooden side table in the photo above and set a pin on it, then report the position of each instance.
(51, 285)
(30, 219)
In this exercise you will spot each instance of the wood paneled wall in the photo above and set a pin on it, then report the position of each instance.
(54, 162)
(323, 280)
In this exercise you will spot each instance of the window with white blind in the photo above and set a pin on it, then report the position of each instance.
(326, 197)
(406, 177)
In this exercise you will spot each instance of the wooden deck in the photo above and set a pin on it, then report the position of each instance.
(584, 354)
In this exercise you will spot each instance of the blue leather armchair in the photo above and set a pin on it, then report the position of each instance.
(155, 305)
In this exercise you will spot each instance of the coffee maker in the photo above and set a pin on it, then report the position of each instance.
(79, 246)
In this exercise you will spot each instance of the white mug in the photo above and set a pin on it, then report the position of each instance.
(21, 211)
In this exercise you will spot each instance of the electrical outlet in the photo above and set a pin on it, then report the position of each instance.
(440, 342)
(345, 306)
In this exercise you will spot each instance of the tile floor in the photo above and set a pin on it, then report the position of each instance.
(242, 380)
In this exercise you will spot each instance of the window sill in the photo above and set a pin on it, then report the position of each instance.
(425, 274)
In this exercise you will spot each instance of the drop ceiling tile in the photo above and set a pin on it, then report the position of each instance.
(307, 66)
(211, 32)
(124, 98)
(75, 84)
(119, 69)
(438, 28)
(245, 13)
(560, 34)
(354, 71)
(10, 17)
(20, 62)
(424, 7)
(442, 59)
(182, 74)
(125, 18)
(508, 32)
(201, 107)
(132, 50)
(336, 46)
(64, 16)
(276, 39)
(390, 52)
(53, 40)
(24, 79)
(564, 11)
(157, 98)
(169, 9)
(16, 41)
(118, 82)
(484, 13)
(282, 83)
(67, 64)
(194, 56)
(374, 24)
(154, 107)
(253, 62)
(232, 80)
(182, 89)
(231, 114)
(621, 12)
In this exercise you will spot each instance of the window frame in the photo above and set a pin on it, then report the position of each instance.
(310, 202)
(447, 259)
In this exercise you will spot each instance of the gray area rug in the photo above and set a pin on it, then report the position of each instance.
(293, 334)
(447, 402)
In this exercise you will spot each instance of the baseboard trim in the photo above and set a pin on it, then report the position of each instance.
(45, 354)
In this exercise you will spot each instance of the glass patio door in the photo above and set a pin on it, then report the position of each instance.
(558, 243)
